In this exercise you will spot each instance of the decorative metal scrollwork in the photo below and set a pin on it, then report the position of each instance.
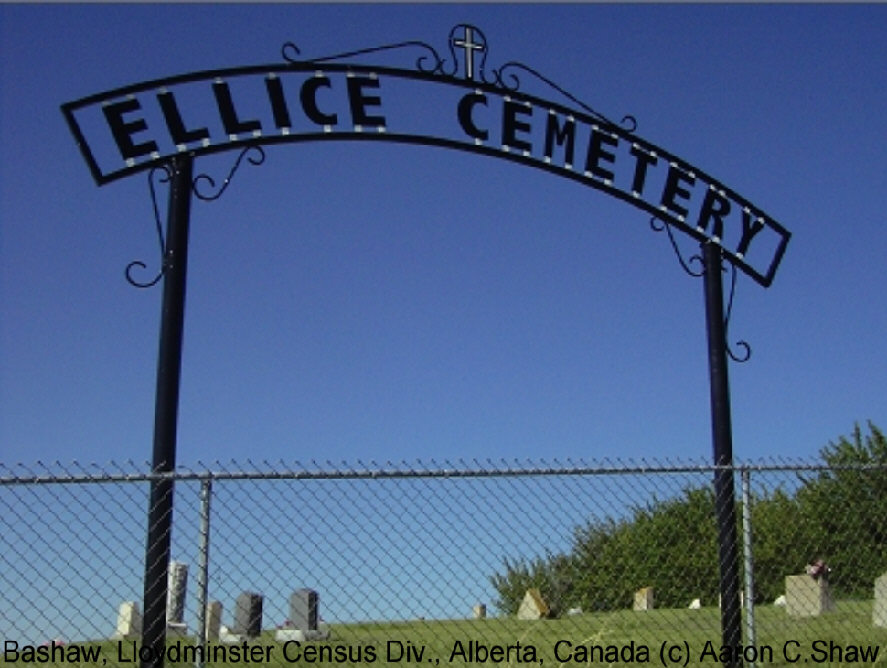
(289, 50)
(211, 182)
(167, 176)
(746, 354)
(628, 124)
(658, 225)
(197, 187)
(471, 41)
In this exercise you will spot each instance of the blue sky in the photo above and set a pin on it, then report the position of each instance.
(357, 301)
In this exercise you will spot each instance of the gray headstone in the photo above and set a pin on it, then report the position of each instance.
(248, 615)
(303, 609)
(879, 611)
(177, 586)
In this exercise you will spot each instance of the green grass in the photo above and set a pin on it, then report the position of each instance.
(812, 641)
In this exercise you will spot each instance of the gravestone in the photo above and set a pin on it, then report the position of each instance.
(304, 622)
(303, 609)
(213, 620)
(129, 621)
(879, 611)
(533, 606)
(806, 596)
(695, 604)
(643, 599)
(177, 587)
(248, 615)
(479, 611)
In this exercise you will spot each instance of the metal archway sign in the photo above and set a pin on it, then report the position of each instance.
(455, 102)
(143, 125)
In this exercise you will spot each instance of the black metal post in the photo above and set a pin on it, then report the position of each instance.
(166, 408)
(722, 439)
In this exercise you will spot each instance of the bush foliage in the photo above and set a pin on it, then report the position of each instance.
(838, 514)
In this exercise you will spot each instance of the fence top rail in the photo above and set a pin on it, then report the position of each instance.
(75, 472)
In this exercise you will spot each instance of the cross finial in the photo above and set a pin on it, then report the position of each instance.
(468, 44)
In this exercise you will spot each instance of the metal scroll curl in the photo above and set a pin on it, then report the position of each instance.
(200, 179)
(658, 225)
(746, 348)
(165, 178)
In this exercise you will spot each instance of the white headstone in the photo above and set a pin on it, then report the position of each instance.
(479, 611)
(779, 601)
(643, 599)
(213, 620)
(806, 596)
(879, 611)
(129, 621)
(533, 606)
(695, 604)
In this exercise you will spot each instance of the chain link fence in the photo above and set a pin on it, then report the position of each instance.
(467, 562)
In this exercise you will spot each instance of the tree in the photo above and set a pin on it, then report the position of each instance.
(776, 552)
(845, 510)
(839, 515)
(551, 575)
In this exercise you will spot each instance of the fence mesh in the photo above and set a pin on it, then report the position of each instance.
(455, 563)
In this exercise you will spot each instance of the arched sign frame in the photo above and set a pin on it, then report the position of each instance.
(151, 126)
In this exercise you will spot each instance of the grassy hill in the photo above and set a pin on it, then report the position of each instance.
(844, 637)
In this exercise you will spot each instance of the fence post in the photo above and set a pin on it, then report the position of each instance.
(206, 490)
(749, 562)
